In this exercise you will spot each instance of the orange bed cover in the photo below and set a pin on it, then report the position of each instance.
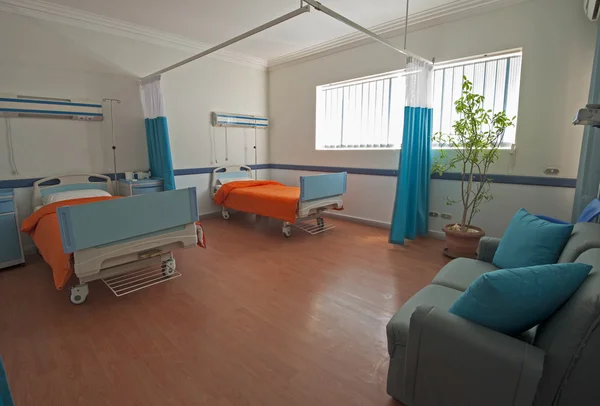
(264, 197)
(43, 227)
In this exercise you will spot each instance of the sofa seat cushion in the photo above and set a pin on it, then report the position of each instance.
(461, 272)
(432, 295)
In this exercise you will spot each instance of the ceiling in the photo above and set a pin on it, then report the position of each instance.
(212, 22)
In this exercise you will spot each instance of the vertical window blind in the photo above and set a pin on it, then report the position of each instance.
(496, 78)
(368, 113)
(361, 114)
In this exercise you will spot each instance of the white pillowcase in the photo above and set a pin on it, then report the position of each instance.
(74, 194)
(226, 181)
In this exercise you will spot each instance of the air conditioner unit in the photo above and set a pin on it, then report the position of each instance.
(43, 107)
(592, 9)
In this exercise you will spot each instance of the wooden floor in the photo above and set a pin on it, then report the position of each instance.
(256, 319)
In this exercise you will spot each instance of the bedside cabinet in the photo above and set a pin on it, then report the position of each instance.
(11, 248)
(140, 187)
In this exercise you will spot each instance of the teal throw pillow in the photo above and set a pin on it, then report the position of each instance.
(530, 241)
(514, 300)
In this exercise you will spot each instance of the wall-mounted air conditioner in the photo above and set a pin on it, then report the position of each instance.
(41, 107)
(592, 9)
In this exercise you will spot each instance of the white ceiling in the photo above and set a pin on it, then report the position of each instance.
(214, 21)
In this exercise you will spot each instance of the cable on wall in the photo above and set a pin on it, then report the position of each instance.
(114, 146)
(11, 150)
(226, 145)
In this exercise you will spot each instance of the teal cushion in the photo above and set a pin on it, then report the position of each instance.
(530, 241)
(514, 300)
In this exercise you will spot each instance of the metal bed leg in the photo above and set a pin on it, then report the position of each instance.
(79, 293)
(287, 229)
(225, 213)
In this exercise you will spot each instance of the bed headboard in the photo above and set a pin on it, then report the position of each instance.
(228, 172)
(65, 183)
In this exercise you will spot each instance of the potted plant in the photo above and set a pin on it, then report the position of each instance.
(473, 145)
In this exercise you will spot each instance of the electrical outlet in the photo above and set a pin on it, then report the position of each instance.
(446, 216)
(434, 214)
(551, 171)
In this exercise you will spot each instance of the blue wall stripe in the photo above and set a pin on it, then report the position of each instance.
(355, 171)
(56, 103)
(28, 182)
(497, 178)
(71, 113)
(200, 171)
(503, 179)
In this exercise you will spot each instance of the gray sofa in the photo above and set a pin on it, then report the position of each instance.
(437, 358)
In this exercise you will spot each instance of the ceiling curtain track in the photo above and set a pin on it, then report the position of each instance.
(303, 9)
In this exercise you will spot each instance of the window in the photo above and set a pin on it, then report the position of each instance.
(368, 113)
(497, 78)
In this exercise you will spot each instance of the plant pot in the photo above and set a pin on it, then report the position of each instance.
(462, 244)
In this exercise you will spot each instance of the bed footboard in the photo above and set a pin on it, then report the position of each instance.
(108, 222)
(321, 192)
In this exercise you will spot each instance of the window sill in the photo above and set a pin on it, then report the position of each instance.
(503, 148)
(358, 149)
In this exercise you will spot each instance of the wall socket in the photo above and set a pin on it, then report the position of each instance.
(434, 214)
(446, 216)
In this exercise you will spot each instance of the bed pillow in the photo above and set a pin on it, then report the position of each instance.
(512, 301)
(229, 180)
(530, 240)
(74, 194)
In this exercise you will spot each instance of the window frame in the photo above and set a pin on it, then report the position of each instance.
(400, 73)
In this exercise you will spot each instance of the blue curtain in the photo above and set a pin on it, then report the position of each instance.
(411, 207)
(157, 132)
(588, 176)
(159, 150)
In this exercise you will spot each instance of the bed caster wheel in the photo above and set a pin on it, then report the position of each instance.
(225, 214)
(168, 267)
(79, 294)
(320, 222)
(287, 231)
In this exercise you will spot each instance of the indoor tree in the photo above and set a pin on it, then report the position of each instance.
(474, 145)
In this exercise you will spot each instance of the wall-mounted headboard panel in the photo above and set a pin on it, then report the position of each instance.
(229, 172)
(67, 183)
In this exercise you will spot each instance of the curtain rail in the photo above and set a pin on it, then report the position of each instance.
(310, 3)
(247, 34)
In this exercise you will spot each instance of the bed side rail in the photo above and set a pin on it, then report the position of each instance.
(93, 224)
(322, 186)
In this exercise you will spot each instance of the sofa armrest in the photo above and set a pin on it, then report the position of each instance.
(452, 361)
(487, 248)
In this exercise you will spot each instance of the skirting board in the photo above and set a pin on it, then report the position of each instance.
(379, 224)
(359, 220)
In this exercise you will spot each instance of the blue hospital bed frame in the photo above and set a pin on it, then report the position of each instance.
(114, 237)
(318, 193)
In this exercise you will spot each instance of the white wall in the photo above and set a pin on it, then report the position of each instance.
(558, 46)
(47, 59)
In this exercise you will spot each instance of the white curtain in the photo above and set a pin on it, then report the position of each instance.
(152, 98)
(419, 83)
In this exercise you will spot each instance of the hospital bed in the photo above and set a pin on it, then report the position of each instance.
(316, 194)
(111, 236)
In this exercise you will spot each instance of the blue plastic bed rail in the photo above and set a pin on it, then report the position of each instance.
(322, 186)
(105, 222)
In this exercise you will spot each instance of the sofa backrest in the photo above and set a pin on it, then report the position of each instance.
(584, 237)
(571, 340)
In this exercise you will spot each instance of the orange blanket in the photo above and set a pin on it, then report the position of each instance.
(43, 227)
(264, 197)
